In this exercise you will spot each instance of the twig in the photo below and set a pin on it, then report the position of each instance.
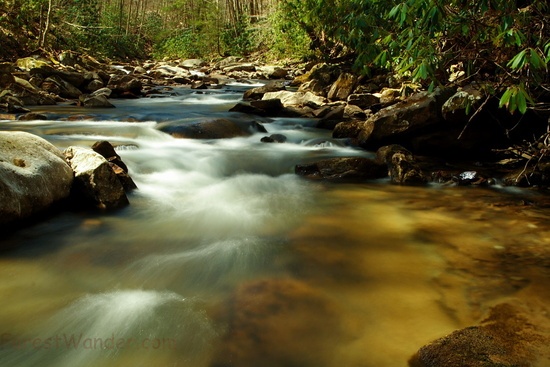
(474, 115)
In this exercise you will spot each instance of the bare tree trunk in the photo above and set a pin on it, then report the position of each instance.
(47, 24)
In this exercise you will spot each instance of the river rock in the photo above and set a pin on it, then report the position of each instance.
(402, 166)
(274, 138)
(363, 100)
(273, 72)
(349, 168)
(246, 67)
(28, 63)
(193, 63)
(33, 176)
(258, 92)
(108, 152)
(342, 87)
(454, 109)
(57, 85)
(6, 80)
(96, 101)
(322, 73)
(400, 121)
(221, 128)
(331, 116)
(289, 98)
(125, 86)
(95, 182)
(509, 337)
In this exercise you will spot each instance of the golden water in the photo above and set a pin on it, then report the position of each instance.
(225, 258)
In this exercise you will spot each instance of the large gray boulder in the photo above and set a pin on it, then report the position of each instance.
(33, 175)
(96, 183)
(289, 98)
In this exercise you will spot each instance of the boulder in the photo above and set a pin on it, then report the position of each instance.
(33, 176)
(400, 121)
(273, 72)
(246, 67)
(454, 109)
(331, 117)
(212, 129)
(363, 100)
(389, 96)
(193, 63)
(289, 98)
(342, 87)
(258, 92)
(28, 63)
(509, 337)
(108, 152)
(349, 168)
(274, 138)
(95, 182)
(96, 101)
(57, 85)
(402, 166)
(6, 80)
(125, 86)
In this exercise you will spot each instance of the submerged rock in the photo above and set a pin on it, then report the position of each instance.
(33, 176)
(507, 338)
(95, 182)
(350, 168)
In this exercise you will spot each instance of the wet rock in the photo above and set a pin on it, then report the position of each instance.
(30, 116)
(95, 182)
(348, 130)
(94, 85)
(468, 178)
(350, 168)
(342, 87)
(212, 129)
(107, 151)
(274, 138)
(258, 92)
(199, 84)
(507, 338)
(402, 166)
(33, 176)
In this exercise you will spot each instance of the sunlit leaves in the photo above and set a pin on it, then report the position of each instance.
(515, 98)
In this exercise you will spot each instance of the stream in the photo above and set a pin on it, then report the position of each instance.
(226, 258)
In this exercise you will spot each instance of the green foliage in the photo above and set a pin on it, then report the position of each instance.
(184, 44)
(238, 39)
(498, 40)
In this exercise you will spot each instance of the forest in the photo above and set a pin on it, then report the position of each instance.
(505, 45)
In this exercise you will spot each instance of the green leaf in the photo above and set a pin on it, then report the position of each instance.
(518, 61)
(505, 99)
(521, 101)
(536, 61)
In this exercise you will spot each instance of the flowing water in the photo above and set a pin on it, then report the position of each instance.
(226, 258)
